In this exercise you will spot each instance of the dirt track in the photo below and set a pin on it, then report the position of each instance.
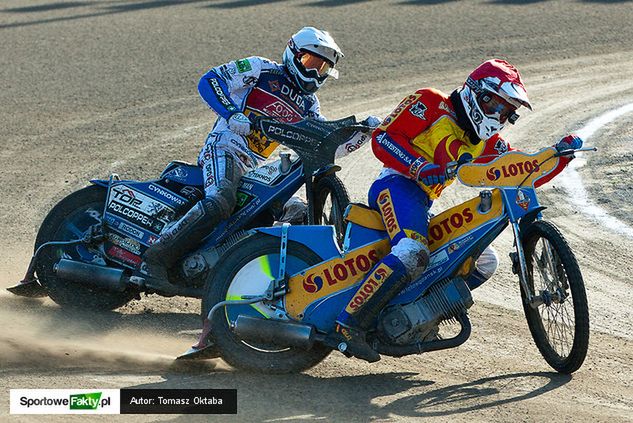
(91, 88)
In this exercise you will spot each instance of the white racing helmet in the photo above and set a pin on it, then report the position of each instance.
(491, 95)
(310, 58)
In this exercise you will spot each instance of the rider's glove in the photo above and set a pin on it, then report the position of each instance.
(372, 121)
(569, 142)
(431, 174)
(240, 124)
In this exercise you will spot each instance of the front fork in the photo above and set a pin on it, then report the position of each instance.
(519, 264)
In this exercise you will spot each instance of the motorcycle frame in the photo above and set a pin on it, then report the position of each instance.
(520, 207)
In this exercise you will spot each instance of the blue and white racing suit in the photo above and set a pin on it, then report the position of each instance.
(258, 86)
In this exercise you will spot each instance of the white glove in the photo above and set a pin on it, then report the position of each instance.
(356, 141)
(239, 124)
(373, 121)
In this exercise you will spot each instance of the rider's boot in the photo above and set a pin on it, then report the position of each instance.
(380, 285)
(175, 242)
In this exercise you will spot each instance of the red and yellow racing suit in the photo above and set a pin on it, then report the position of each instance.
(423, 128)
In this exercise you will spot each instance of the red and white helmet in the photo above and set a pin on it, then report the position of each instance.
(310, 58)
(491, 95)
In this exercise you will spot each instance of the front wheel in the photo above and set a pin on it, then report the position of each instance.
(330, 201)
(70, 219)
(558, 317)
(247, 269)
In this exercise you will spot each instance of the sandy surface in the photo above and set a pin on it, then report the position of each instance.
(94, 87)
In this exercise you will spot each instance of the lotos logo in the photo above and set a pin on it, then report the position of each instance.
(493, 174)
(446, 226)
(367, 289)
(313, 284)
(339, 271)
(514, 169)
(388, 215)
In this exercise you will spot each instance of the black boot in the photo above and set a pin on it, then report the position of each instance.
(174, 243)
(351, 342)
(380, 285)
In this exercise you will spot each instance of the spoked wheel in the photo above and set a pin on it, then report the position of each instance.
(558, 317)
(247, 270)
(330, 201)
(69, 220)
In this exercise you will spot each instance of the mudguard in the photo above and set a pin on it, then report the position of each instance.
(101, 182)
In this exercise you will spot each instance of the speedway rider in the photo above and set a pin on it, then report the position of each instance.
(235, 90)
(415, 142)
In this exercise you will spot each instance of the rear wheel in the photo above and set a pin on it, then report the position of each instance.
(559, 320)
(69, 220)
(330, 201)
(247, 269)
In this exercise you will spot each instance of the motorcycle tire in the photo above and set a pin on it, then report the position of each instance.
(330, 201)
(69, 220)
(560, 324)
(247, 268)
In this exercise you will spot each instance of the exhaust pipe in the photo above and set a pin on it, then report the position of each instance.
(100, 276)
(277, 332)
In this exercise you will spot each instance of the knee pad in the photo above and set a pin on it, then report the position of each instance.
(413, 254)
(485, 267)
(220, 205)
(222, 197)
(487, 262)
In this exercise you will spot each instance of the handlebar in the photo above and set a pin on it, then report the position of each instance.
(313, 140)
(571, 151)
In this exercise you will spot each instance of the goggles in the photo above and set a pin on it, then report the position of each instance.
(496, 107)
(321, 66)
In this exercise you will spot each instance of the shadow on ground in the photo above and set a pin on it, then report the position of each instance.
(362, 397)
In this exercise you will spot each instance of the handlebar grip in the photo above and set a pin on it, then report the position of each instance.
(452, 167)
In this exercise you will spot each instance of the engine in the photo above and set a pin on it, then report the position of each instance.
(419, 320)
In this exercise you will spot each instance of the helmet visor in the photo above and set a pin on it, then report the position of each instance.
(321, 66)
(496, 107)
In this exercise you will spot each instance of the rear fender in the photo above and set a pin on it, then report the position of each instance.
(101, 182)
(530, 217)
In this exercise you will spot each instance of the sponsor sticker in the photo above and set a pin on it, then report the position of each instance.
(243, 65)
(266, 174)
(131, 230)
(388, 215)
(340, 271)
(166, 194)
(418, 110)
(126, 243)
(136, 217)
(372, 284)
(123, 255)
(512, 169)
(443, 226)
(138, 208)
(523, 200)
(333, 275)
(179, 174)
(501, 146)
